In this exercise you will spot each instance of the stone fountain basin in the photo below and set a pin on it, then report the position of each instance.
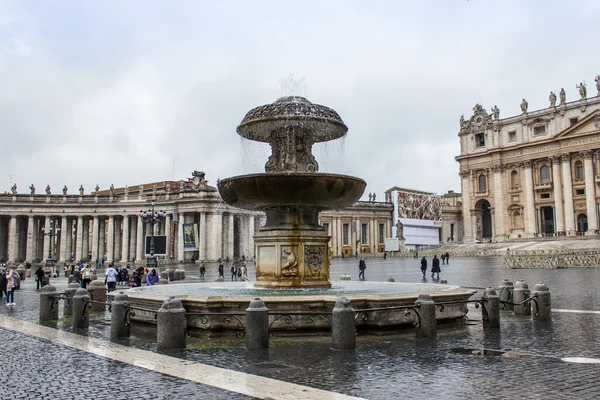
(319, 191)
(217, 297)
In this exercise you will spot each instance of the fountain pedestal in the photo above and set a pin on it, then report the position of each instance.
(288, 258)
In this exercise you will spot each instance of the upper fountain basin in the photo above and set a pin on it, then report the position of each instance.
(317, 122)
(318, 191)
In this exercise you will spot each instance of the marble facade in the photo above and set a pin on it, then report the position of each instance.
(536, 174)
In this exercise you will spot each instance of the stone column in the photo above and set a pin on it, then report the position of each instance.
(30, 228)
(257, 325)
(343, 325)
(125, 240)
(202, 233)
(180, 250)
(101, 238)
(86, 238)
(354, 234)
(500, 209)
(568, 194)
(110, 241)
(230, 241)
(13, 245)
(168, 233)
(530, 227)
(217, 235)
(139, 250)
(69, 238)
(334, 243)
(47, 243)
(95, 233)
(251, 235)
(118, 240)
(64, 230)
(558, 197)
(590, 193)
(78, 239)
(465, 181)
(133, 237)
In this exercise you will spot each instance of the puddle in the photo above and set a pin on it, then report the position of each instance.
(581, 360)
(487, 352)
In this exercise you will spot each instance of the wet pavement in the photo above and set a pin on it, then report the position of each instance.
(527, 363)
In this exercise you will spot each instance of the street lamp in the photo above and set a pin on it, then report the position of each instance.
(52, 231)
(152, 217)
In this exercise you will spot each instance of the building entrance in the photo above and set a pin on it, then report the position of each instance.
(582, 224)
(547, 220)
(484, 220)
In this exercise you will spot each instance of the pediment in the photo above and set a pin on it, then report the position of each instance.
(589, 124)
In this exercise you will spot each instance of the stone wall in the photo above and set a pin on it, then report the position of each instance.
(552, 259)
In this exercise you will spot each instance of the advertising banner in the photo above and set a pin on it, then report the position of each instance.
(419, 206)
(190, 237)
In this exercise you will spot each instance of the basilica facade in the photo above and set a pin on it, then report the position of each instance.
(536, 174)
(107, 224)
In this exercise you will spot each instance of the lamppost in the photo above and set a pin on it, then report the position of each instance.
(51, 231)
(152, 217)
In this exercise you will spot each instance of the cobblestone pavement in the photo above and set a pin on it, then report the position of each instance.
(383, 367)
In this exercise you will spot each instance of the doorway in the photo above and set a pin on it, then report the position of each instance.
(547, 219)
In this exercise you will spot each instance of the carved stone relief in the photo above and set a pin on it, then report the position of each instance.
(289, 261)
(313, 260)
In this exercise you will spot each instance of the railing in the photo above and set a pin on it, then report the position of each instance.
(288, 319)
(227, 318)
(532, 298)
(362, 313)
(484, 314)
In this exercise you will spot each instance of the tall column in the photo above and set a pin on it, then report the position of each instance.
(202, 229)
(118, 241)
(3, 239)
(85, 252)
(102, 238)
(230, 227)
(30, 229)
(558, 196)
(568, 194)
(110, 241)
(590, 193)
(139, 250)
(125, 239)
(64, 256)
(465, 180)
(354, 233)
(133, 237)
(95, 241)
(217, 236)
(500, 209)
(69, 238)
(530, 227)
(251, 235)
(79, 240)
(180, 249)
(168, 234)
(47, 244)
(13, 239)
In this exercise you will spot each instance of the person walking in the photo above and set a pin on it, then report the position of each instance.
(244, 272)
(424, 266)
(86, 273)
(11, 283)
(111, 278)
(435, 267)
(202, 270)
(443, 256)
(3, 282)
(39, 278)
(137, 276)
(361, 268)
(447, 258)
(221, 269)
(233, 272)
(152, 278)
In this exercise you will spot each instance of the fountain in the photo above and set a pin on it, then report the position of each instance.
(291, 248)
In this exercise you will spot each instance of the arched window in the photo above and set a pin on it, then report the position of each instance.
(514, 179)
(544, 174)
(482, 183)
(579, 175)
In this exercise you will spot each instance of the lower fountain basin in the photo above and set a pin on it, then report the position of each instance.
(234, 298)
(317, 191)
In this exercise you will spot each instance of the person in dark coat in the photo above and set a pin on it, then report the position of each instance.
(435, 267)
(221, 270)
(424, 266)
(39, 278)
(3, 282)
(361, 268)
(447, 258)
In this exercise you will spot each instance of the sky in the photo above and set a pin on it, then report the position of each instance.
(132, 92)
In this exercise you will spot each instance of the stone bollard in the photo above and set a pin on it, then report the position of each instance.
(164, 278)
(428, 327)
(177, 274)
(220, 279)
(48, 303)
(68, 303)
(543, 301)
(81, 316)
(390, 279)
(171, 325)
(119, 327)
(28, 273)
(343, 325)
(257, 325)
(70, 279)
(505, 293)
(182, 273)
(520, 293)
(345, 278)
(492, 308)
(97, 293)
(21, 270)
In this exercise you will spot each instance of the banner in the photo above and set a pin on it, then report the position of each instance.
(419, 206)
(190, 237)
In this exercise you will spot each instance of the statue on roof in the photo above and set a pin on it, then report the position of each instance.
(597, 80)
(32, 189)
(97, 192)
(112, 189)
(552, 99)
(65, 190)
(198, 180)
(582, 90)
(13, 189)
(48, 192)
(524, 106)
(496, 112)
(563, 96)
(126, 190)
(81, 190)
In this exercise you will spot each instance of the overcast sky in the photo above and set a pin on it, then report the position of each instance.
(101, 92)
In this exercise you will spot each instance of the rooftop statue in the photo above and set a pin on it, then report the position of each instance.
(597, 79)
(524, 106)
(496, 112)
(582, 90)
(97, 192)
(65, 190)
(13, 189)
(81, 190)
(563, 96)
(48, 192)
(112, 189)
(552, 99)
(32, 188)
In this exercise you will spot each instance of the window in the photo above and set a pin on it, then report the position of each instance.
(326, 226)
(579, 175)
(544, 195)
(364, 233)
(345, 234)
(381, 233)
(480, 139)
(545, 174)
(514, 179)
(573, 121)
(539, 130)
(580, 192)
(512, 136)
(482, 183)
